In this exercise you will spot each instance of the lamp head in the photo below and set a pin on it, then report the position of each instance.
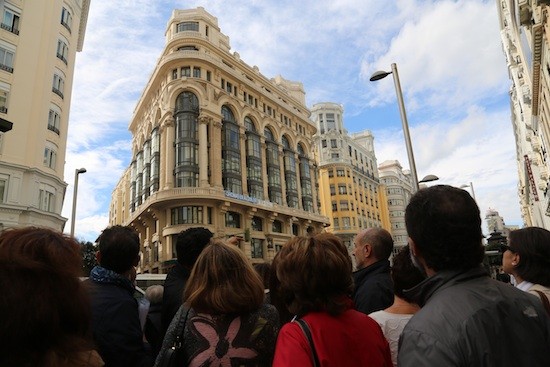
(429, 178)
(81, 170)
(379, 75)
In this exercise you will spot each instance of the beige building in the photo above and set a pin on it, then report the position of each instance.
(216, 144)
(349, 187)
(525, 35)
(38, 44)
(398, 186)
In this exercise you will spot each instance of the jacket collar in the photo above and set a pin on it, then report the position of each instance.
(441, 280)
(382, 266)
(106, 276)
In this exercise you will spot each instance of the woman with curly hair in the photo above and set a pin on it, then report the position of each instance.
(315, 275)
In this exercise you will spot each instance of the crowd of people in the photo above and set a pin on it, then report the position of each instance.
(433, 305)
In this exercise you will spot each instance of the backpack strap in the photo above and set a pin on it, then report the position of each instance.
(545, 301)
(307, 332)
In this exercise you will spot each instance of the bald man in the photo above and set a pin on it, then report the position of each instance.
(373, 284)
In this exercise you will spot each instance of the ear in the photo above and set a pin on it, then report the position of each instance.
(516, 259)
(367, 249)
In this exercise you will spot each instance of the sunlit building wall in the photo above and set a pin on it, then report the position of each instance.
(38, 45)
(524, 35)
(216, 144)
(350, 191)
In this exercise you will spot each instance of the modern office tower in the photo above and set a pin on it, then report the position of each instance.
(399, 192)
(349, 188)
(216, 144)
(525, 42)
(38, 45)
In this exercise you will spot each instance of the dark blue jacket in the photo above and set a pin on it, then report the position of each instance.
(373, 287)
(116, 327)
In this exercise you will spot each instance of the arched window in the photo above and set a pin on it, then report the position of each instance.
(187, 142)
(253, 160)
(290, 174)
(305, 180)
(273, 168)
(231, 152)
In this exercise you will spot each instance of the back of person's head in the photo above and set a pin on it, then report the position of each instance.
(315, 274)
(381, 242)
(533, 246)
(119, 248)
(45, 308)
(223, 281)
(276, 298)
(404, 274)
(445, 225)
(264, 271)
(190, 244)
(154, 293)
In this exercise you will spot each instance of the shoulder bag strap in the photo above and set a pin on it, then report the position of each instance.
(305, 328)
(180, 328)
(545, 301)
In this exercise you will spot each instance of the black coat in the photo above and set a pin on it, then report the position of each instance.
(153, 328)
(172, 298)
(116, 327)
(373, 287)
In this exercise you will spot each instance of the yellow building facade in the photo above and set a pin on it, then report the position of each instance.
(349, 188)
(38, 45)
(218, 145)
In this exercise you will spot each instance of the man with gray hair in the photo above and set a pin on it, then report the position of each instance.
(373, 284)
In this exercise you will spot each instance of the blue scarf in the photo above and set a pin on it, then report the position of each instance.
(106, 276)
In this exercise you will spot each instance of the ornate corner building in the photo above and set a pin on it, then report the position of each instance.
(38, 45)
(216, 144)
(350, 190)
(525, 35)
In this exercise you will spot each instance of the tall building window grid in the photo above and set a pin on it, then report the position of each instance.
(50, 157)
(7, 54)
(253, 160)
(257, 248)
(187, 143)
(187, 215)
(231, 152)
(46, 198)
(146, 189)
(155, 160)
(232, 220)
(58, 85)
(305, 180)
(62, 50)
(273, 168)
(66, 19)
(187, 26)
(290, 174)
(139, 177)
(133, 174)
(54, 121)
(10, 20)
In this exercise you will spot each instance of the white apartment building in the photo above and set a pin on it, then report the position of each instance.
(399, 192)
(38, 43)
(524, 33)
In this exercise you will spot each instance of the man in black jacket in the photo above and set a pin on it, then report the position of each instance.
(466, 318)
(373, 284)
(189, 246)
(115, 319)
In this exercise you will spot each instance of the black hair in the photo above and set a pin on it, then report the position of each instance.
(190, 244)
(119, 247)
(404, 274)
(533, 246)
(445, 225)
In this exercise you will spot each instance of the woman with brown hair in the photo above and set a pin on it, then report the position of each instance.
(315, 275)
(45, 308)
(227, 321)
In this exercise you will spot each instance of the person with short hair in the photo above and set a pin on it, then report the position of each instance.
(315, 275)
(228, 323)
(189, 245)
(527, 259)
(466, 318)
(373, 284)
(45, 307)
(393, 319)
(115, 317)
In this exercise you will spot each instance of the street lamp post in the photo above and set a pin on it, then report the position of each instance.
(471, 185)
(75, 192)
(381, 75)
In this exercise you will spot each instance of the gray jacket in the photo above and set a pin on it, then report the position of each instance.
(468, 319)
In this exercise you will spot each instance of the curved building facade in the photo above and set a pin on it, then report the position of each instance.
(217, 145)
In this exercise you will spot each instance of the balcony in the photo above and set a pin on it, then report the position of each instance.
(64, 24)
(7, 68)
(58, 92)
(62, 58)
(9, 28)
(54, 129)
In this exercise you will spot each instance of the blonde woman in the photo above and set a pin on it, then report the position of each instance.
(227, 322)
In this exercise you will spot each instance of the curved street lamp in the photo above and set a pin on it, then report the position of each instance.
(75, 191)
(381, 75)
(429, 178)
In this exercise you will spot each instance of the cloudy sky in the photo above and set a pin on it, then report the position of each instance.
(451, 67)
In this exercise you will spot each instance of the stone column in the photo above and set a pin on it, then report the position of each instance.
(203, 150)
(282, 170)
(264, 169)
(298, 181)
(169, 153)
(216, 154)
(244, 171)
(314, 191)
